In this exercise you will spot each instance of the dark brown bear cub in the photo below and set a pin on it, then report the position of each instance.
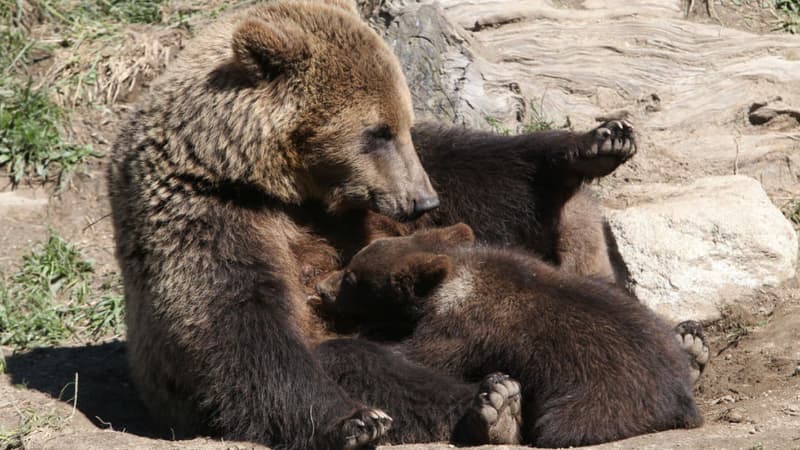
(595, 364)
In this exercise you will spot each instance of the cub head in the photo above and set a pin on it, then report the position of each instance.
(342, 109)
(388, 280)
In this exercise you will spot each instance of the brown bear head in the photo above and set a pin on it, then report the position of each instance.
(388, 280)
(342, 107)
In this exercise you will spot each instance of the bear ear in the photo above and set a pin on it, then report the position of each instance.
(458, 234)
(420, 273)
(378, 226)
(264, 49)
(346, 5)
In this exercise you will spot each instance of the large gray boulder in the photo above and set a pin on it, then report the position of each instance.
(689, 249)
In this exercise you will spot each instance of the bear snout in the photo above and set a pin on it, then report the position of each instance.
(422, 205)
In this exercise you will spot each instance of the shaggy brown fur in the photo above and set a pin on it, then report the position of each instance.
(525, 191)
(224, 185)
(595, 364)
(221, 181)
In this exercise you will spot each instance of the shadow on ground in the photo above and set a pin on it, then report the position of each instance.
(105, 393)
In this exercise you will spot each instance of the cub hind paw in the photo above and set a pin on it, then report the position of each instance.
(495, 416)
(365, 427)
(692, 339)
(605, 148)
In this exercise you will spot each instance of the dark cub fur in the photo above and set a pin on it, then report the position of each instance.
(526, 191)
(595, 364)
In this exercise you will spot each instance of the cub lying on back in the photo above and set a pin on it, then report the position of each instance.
(595, 365)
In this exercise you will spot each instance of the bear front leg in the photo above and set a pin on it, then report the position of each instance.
(262, 383)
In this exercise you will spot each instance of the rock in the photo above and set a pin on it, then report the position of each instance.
(689, 87)
(733, 416)
(687, 250)
(445, 74)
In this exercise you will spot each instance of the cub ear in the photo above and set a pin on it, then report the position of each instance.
(346, 5)
(378, 226)
(458, 234)
(420, 273)
(266, 50)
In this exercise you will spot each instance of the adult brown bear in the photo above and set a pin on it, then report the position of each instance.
(244, 173)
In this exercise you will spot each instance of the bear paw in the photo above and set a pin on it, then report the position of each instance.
(605, 148)
(495, 415)
(692, 339)
(365, 428)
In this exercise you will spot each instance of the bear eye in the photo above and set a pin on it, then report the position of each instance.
(349, 279)
(383, 132)
(377, 137)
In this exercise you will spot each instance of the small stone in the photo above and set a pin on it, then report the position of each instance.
(723, 399)
(733, 416)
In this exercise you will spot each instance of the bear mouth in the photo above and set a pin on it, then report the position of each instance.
(389, 206)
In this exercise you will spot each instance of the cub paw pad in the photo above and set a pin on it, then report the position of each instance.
(365, 428)
(691, 338)
(495, 415)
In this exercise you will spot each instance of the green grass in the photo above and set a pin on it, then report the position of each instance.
(31, 143)
(791, 15)
(78, 14)
(536, 121)
(497, 127)
(50, 299)
(31, 421)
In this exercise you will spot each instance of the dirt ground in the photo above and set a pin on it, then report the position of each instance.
(79, 395)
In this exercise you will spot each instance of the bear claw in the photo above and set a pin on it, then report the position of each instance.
(613, 138)
(365, 427)
(604, 149)
(692, 339)
(495, 415)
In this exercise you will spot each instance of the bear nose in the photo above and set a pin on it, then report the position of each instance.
(424, 204)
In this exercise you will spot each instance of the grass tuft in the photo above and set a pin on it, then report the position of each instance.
(791, 15)
(537, 121)
(497, 127)
(50, 299)
(31, 145)
(32, 420)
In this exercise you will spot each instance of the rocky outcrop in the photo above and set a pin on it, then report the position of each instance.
(689, 250)
(696, 92)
